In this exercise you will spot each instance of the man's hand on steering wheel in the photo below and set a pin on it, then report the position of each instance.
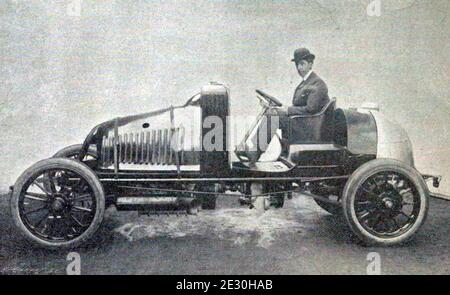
(272, 101)
(275, 111)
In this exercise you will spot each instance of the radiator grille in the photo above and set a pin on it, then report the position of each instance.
(151, 147)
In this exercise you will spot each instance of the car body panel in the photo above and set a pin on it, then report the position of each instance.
(393, 141)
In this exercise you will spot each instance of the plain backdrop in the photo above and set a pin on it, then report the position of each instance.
(64, 72)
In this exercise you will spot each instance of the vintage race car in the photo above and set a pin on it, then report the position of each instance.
(353, 162)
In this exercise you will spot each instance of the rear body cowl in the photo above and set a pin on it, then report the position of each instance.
(392, 140)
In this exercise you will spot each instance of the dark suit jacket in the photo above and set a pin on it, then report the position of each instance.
(309, 97)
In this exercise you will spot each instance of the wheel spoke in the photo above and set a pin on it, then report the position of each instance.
(385, 176)
(407, 203)
(52, 227)
(50, 181)
(406, 192)
(387, 226)
(83, 209)
(79, 186)
(42, 220)
(400, 184)
(82, 198)
(369, 193)
(41, 187)
(365, 215)
(36, 196)
(73, 218)
(364, 203)
(69, 225)
(48, 226)
(374, 183)
(404, 214)
(35, 210)
(366, 190)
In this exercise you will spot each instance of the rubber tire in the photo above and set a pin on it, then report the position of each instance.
(359, 176)
(330, 208)
(72, 150)
(64, 163)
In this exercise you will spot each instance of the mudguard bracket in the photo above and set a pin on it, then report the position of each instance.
(436, 182)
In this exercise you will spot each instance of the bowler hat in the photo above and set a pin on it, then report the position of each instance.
(302, 53)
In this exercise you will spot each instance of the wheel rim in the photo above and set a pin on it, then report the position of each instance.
(387, 204)
(57, 205)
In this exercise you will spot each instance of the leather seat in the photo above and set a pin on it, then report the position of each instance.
(315, 129)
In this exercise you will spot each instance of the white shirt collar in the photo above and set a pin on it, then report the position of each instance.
(307, 75)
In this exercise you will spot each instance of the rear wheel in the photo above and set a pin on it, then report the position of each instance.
(385, 202)
(58, 203)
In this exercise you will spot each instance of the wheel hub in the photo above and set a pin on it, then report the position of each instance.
(388, 204)
(58, 205)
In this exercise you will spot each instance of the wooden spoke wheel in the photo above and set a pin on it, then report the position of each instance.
(58, 203)
(385, 202)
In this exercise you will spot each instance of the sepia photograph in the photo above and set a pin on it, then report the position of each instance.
(224, 137)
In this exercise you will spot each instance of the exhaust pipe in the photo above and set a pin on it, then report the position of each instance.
(149, 205)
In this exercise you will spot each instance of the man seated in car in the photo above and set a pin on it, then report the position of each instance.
(310, 97)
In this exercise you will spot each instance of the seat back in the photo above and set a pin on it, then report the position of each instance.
(316, 128)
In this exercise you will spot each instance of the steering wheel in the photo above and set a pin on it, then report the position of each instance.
(268, 98)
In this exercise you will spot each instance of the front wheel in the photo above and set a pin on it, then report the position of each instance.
(385, 202)
(58, 203)
(72, 151)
